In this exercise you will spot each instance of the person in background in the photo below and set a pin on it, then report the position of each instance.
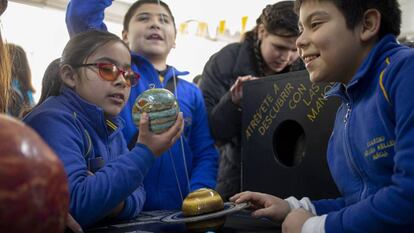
(5, 68)
(149, 30)
(22, 88)
(370, 153)
(197, 79)
(268, 49)
(82, 126)
(51, 81)
(5, 77)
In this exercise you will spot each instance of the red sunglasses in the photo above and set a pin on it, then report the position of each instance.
(110, 72)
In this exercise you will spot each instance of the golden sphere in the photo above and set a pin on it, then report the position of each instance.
(202, 201)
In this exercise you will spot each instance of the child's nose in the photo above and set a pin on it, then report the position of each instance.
(301, 41)
(121, 80)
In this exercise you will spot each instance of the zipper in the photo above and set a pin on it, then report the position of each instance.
(348, 112)
(347, 147)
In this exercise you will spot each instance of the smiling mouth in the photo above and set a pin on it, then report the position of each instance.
(310, 58)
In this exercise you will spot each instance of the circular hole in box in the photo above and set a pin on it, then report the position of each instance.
(289, 143)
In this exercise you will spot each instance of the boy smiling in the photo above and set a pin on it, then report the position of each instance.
(370, 152)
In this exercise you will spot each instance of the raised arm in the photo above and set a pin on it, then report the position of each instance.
(83, 15)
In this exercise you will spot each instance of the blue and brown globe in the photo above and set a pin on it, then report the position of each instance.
(161, 106)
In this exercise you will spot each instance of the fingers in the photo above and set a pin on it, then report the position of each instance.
(144, 123)
(175, 131)
(235, 197)
(245, 197)
(159, 143)
(242, 79)
(73, 225)
(264, 212)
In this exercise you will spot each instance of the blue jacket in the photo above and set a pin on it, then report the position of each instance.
(371, 150)
(196, 144)
(78, 133)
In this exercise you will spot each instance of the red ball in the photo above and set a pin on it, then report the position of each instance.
(34, 193)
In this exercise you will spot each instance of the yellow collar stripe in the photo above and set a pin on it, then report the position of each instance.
(387, 61)
(111, 125)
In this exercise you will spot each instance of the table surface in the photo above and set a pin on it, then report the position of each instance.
(150, 222)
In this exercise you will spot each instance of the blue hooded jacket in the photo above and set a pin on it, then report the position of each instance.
(193, 154)
(78, 133)
(371, 150)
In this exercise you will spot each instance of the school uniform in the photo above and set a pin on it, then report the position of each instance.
(85, 140)
(194, 154)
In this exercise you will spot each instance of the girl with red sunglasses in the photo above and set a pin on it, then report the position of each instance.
(82, 126)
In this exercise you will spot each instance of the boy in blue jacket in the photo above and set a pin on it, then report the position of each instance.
(371, 149)
(82, 126)
(149, 30)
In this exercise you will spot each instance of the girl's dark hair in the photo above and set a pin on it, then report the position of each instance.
(278, 19)
(138, 4)
(21, 69)
(77, 50)
(51, 84)
(51, 81)
(83, 45)
(353, 11)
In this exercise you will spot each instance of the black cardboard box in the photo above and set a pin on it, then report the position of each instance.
(286, 127)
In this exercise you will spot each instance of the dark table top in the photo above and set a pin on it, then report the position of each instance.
(150, 222)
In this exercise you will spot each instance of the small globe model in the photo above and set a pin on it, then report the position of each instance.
(33, 186)
(161, 106)
(203, 201)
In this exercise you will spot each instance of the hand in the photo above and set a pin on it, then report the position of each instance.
(294, 220)
(236, 90)
(158, 143)
(73, 225)
(266, 205)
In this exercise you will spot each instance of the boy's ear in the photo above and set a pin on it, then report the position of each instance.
(68, 75)
(371, 22)
(125, 37)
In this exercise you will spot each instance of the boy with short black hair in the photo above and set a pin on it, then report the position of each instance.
(370, 152)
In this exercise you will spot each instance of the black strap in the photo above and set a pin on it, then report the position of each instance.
(170, 84)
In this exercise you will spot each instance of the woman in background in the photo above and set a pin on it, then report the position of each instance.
(268, 49)
(22, 88)
(5, 77)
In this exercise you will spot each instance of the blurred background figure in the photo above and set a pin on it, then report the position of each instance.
(268, 49)
(21, 82)
(5, 81)
(197, 79)
(51, 81)
(4, 68)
